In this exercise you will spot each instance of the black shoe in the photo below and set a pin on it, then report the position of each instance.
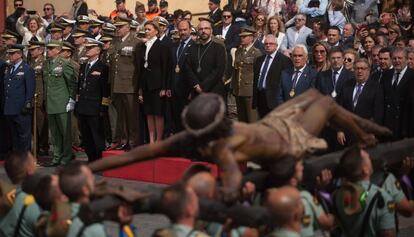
(122, 147)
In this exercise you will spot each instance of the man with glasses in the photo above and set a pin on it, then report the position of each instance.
(60, 94)
(295, 35)
(49, 11)
(267, 70)
(12, 19)
(361, 96)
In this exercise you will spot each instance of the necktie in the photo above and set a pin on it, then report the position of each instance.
(295, 79)
(180, 49)
(395, 83)
(11, 69)
(261, 85)
(357, 94)
(334, 74)
(88, 67)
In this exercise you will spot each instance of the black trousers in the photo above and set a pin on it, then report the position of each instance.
(21, 129)
(262, 107)
(179, 103)
(93, 136)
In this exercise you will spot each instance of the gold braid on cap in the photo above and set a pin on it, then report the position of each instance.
(209, 128)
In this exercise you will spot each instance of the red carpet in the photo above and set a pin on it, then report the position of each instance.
(162, 170)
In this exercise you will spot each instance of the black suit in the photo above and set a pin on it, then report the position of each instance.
(395, 101)
(370, 103)
(378, 76)
(212, 66)
(408, 112)
(180, 87)
(325, 84)
(232, 40)
(265, 100)
(93, 87)
(215, 16)
(5, 134)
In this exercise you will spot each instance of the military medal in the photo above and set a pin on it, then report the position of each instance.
(146, 64)
(199, 69)
(333, 94)
(177, 69)
(292, 93)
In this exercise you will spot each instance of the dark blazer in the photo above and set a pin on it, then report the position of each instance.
(212, 67)
(216, 16)
(154, 77)
(280, 63)
(408, 110)
(378, 76)
(92, 88)
(370, 103)
(232, 38)
(179, 86)
(394, 101)
(19, 88)
(305, 81)
(3, 66)
(324, 81)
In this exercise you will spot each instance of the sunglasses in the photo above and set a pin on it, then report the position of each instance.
(227, 16)
(47, 9)
(349, 60)
(259, 19)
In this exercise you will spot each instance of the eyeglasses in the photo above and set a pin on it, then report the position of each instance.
(226, 16)
(47, 9)
(260, 19)
(349, 60)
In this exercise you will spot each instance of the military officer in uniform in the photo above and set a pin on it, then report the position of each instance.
(36, 50)
(67, 53)
(124, 85)
(60, 92)
(19, 89)
(242, 82)
(79, 38)
(9, 38)
(92, 100)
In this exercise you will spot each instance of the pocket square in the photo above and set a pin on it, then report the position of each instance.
(96, 73)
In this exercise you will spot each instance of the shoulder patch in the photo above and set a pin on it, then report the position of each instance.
(391, 206)
(306, 220)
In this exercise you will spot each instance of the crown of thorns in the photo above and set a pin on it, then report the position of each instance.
(210, 127)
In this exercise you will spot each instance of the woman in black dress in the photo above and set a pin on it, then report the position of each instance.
(153, 80)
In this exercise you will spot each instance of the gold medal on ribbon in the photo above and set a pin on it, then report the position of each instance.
(177, 69)
(292, 93)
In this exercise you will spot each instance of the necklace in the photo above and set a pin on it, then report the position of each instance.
(202, 55)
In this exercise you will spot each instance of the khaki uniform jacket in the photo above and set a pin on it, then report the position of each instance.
(37, 66)
(242, 82)
(124, 65)
(60, 84)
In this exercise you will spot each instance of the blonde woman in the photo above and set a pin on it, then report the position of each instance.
(276, 27)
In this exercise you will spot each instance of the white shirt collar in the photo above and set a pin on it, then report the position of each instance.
(339, 70)
(249, 47)
(301, 69)
(93, 62)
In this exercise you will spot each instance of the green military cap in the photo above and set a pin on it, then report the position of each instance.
(10, 34)
(105, 39)
(54, 43)
(82, 19)
(66, 22)
(68, 46)
(121, 21)
(96, 22)
(55, 27)
(93, 43)
(79, 33)
(36, 44)
(15, 48)
(247, 30)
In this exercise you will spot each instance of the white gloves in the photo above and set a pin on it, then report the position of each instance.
(71, 105)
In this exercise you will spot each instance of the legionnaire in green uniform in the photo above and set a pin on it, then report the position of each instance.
(56, 31)
(21, 218)
(362, 208)
(67, 53)
(286, 208)
(60, 91)
(36, 50)
(9, 38)
(242, 81)
(77, 182)
(79, 38)
(180, 204)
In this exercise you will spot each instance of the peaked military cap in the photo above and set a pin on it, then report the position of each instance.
(91, 42)
(79, 33)
(15, 48)
(82, 19)
(247, 30)
(10, 34)
(36, 44)
(54, 43)
(68, 46)
(120, 21)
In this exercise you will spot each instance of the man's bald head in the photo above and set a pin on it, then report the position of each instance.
(204, 184)
(285, 205)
